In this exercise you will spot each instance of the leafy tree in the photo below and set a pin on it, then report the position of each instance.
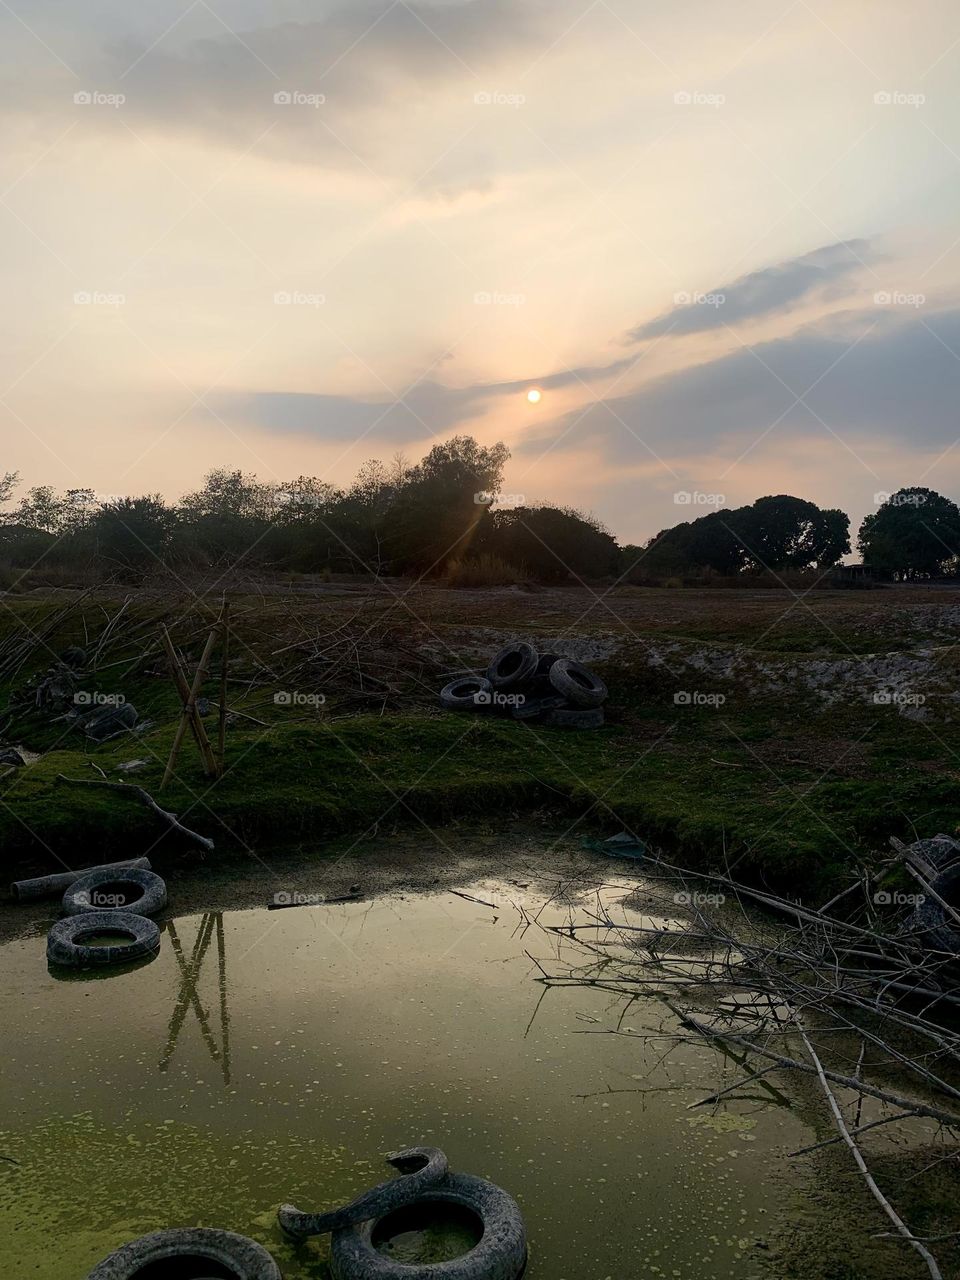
(133, 533)
(551, 544)
(914, 533)
(40, 508)
(301, 499)
(227, 517)
(8, 482)
(783, 532)
(436, 514)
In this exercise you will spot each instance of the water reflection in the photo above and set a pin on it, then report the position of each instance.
(211, 924)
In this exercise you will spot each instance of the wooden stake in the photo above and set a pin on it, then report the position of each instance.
(189, 707)
(224, 659)
(196, 722)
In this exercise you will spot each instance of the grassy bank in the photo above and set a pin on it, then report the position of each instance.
(790, 789)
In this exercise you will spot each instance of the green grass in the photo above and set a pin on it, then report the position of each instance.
(309, 784)
(787, 791)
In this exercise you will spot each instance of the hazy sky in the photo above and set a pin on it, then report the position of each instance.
(721, 238)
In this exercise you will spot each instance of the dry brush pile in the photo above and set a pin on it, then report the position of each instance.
(858, 997)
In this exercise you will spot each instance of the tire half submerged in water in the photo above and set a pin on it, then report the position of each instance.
(500, 1253)
(68, 939)
(185, 1251)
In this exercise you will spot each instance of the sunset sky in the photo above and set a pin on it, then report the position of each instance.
(722, 239)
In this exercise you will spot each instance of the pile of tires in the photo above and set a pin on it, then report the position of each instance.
(114, 901)
(525, 685)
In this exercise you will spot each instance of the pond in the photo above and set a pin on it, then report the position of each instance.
(275, 1056)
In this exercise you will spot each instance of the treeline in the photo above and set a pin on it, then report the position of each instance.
(913, 534)
(438, 518)
(446, 517)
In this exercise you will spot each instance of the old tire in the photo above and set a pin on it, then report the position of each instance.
(66, 941)
(192, 1252)
(500, 1253)
(108, 721)
(577, 683)
(512, 665)
(467, 693)
(575, 718)
(535, 708)
(937, 929)
(139, 892)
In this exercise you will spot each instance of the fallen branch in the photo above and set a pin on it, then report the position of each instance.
(204, 841)
(881, 1199)
(848, 1082)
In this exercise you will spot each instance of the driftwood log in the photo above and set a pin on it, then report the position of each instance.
(58, 883)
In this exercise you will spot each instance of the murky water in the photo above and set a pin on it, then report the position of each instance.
(275, 1056)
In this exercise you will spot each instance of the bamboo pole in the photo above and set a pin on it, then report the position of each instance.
(196, 723)
(224, 659)
(189, 707)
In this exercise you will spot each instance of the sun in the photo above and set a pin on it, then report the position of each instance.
(534, 395)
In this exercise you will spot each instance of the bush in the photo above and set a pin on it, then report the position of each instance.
(483, 571)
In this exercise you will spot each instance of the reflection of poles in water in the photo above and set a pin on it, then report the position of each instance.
(224, 1015)
(188, 997)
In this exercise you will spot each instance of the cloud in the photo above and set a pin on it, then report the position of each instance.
(876, 374)
(358, 81)
(428, 409)
(779, 288)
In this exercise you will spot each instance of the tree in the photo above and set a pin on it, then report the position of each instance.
(133, 533)
(228, 516)
(40, 508)
(784, 532)
(914, 533)
(8, 482)
(551, 544)
(438, 508)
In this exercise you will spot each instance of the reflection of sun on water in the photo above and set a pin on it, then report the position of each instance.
(534, 395)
